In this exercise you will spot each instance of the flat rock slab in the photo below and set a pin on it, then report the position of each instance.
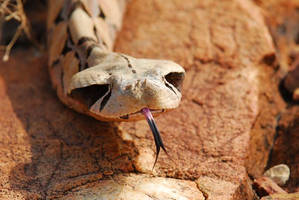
(49, 151)
(291, 196)
(133, 186)
(266, 186)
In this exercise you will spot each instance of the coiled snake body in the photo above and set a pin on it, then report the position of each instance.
(92, 79)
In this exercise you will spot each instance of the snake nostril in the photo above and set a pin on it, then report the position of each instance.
(176, 79)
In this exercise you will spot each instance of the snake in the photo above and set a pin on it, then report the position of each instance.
(93, 79)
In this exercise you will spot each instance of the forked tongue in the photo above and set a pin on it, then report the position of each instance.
(158, 141)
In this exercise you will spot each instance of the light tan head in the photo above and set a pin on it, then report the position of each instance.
(118, 86)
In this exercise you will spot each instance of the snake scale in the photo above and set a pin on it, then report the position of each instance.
(92, 79)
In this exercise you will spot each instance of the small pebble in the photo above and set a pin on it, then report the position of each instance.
(280, 174)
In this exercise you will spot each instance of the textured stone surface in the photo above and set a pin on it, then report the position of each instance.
(266, 186)
(286, 147)
(292, 196)
(282, 20)
(221, 91)
(139, 187)
(291, 81)
(49, 151)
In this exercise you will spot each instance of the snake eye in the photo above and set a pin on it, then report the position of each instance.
(176, 79)
(90, 94)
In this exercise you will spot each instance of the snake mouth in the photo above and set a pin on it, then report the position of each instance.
(139, 113)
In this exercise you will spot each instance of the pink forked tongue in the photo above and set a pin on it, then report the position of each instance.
(158, 141)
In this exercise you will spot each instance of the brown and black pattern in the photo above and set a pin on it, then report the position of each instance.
(60, 39)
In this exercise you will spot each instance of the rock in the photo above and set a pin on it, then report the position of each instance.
(49, 151)
(280, 174)
(265, 186)
(218, 189)
(291, 81)
(291, 196)
(282, 19)
(264, 128)
(132, 186)
(211, 45)
(286, 145)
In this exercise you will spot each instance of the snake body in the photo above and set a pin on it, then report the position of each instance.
(92, 79)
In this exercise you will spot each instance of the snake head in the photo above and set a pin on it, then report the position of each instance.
(117, 86)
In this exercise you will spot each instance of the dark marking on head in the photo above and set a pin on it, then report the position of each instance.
(101, 13)
(110, 73)
(134, 71)
(169, 86)
(127, 59)
(90, 94)
(105, 100)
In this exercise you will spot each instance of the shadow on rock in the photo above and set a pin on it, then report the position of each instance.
(68, 149)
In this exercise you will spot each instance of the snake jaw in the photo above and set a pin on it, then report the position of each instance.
(157, 137)
(134, 114)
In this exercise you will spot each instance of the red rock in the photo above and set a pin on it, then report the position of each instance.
(291, 81)
(132, 186)
(265, 186)
(286, 146)
(210, 137)
(49, 151)
(291, 196)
